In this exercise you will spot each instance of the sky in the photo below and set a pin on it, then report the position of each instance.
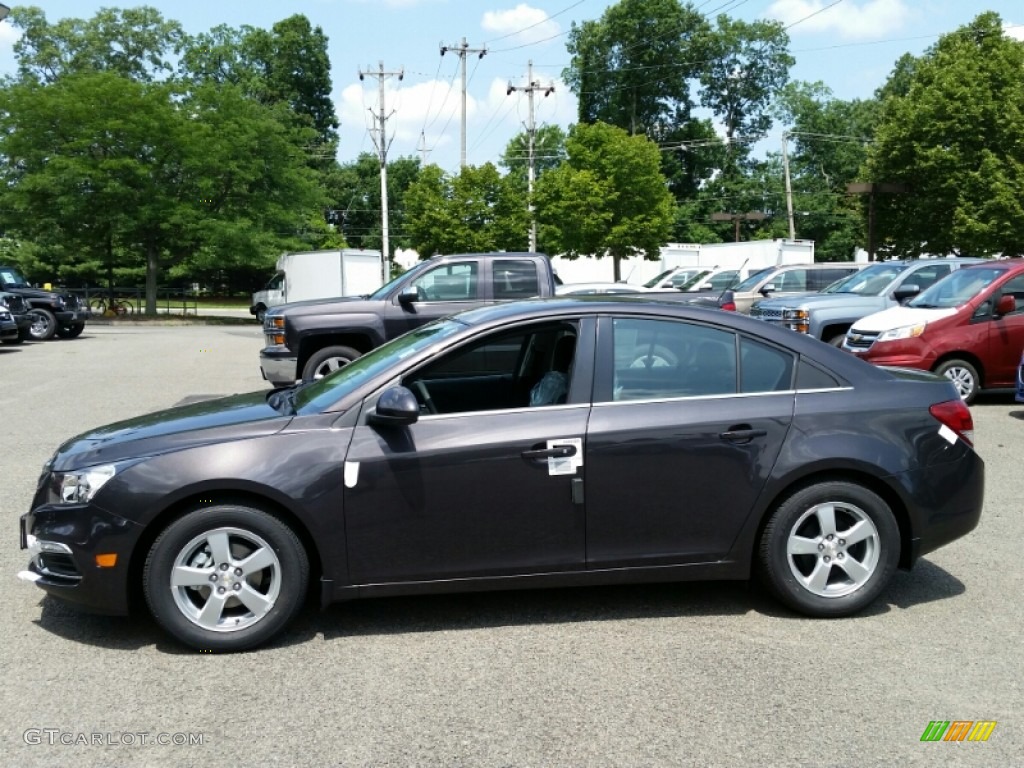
(850, 45)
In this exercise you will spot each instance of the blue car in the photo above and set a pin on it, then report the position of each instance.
(1020, 379)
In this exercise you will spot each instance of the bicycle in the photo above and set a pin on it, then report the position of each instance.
(101, 305)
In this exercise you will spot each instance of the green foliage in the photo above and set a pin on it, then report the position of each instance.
(476, 211)
(354, 192)
(608, 198)
(548, 151)
(954, 140)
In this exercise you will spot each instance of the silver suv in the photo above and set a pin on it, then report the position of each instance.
(828, 315)
(790, 280)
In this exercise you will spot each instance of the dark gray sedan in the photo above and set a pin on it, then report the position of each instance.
(546, 443)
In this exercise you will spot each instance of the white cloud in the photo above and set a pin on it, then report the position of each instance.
(433, 104)
(849, 20)
(522, 25)
(9, 35)
(1014, 31)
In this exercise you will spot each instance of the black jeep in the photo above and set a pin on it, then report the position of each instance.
(52, 314)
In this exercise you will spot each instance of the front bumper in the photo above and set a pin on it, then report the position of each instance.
(63, 542)
(279, 366)
(72, 316)
(9, 331)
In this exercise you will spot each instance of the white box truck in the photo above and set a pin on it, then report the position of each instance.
(311, 275)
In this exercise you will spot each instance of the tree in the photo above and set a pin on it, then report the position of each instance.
(954, 141)
(355, 199)
(548, 151)
(114, 170)
(477, 210)
(137, 43)
(632, 67)
(608, 198)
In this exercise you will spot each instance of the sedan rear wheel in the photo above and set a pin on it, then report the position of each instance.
(225, 577)
(964, 376)
(830, 549)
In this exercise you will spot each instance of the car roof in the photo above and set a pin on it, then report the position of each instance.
(1003, 264)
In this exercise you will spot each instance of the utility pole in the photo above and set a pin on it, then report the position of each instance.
(462, 50)
(423, 149)
(789, 185)
(380, 140)
(871, 189)
(531, 134)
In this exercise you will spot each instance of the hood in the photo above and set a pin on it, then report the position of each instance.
(322, 306)
(897, 317)
(808, 300)
(31, 293)
(221, 420)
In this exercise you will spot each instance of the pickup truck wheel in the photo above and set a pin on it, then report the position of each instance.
(225, 577)
(261, 313)
(44, 324)
(328, 360)
(837, 341)
(71, 331)
(964, 376)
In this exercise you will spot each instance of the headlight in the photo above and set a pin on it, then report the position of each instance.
(904, 332)
(275, 321)
(795, 314)
(79, 487)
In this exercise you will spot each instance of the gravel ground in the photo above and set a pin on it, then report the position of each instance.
(673, 675)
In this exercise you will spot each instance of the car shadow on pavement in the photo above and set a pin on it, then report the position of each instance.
(484, 610)
(1017, 415)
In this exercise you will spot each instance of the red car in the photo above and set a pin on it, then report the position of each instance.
(969, 327)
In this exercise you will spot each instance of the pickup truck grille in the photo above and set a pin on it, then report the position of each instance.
(16, 304)
(71, 301)
(860, 339)
(770, 315)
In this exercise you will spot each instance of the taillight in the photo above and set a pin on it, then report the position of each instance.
(729, 306)
(955, 415)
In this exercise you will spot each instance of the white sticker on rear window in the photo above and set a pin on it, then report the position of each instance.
(948, 433)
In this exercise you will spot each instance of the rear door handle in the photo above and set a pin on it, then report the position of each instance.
(558, 452)
(742, 434)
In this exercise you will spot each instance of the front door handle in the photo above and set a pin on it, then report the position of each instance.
(742, 433)
(558, 452)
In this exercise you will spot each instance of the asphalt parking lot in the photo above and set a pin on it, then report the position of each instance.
(687, 675)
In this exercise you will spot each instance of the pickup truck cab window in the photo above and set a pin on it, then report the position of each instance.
(448, 282)
(514, 279)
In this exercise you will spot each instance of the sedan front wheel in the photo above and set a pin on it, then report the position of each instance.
(830, 549)
(225, 577)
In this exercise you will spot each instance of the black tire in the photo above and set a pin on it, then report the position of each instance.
(261, 313)
(256, 604)
(44, 324)
(71, 331)
(834, 577)
(327, 360)
(964, 377)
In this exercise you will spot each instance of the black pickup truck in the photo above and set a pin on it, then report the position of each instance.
(53, 314)
(309, 339)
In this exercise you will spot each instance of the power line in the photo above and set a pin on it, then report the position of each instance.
(812, 15)
(536, 24)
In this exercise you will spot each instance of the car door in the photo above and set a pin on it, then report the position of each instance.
(688, 420)
(442, 291)
(485, 487)
(1006, 337)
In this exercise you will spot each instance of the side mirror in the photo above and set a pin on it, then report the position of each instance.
(905, 292)
(409, 295)
(1006, 305)
(766, 289)
(396, 407)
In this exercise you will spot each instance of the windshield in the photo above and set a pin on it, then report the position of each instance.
(870, 281)
(654, 282)
(956, 289)
(694, 280)
(752, 282)
(384, 290)
(322, 393)
(10, 278)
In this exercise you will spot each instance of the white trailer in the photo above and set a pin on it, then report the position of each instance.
(310, 275)
(753, 254)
